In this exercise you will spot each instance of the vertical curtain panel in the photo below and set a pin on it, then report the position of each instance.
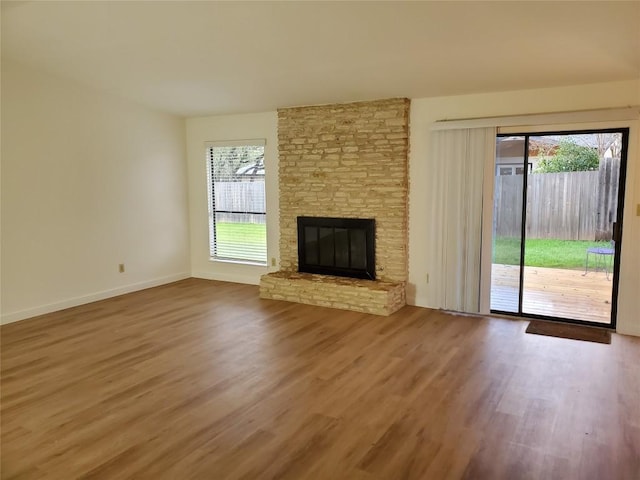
(457, 160)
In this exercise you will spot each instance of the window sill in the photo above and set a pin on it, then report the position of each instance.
(238, 262)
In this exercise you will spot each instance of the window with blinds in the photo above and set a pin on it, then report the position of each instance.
(237, 211)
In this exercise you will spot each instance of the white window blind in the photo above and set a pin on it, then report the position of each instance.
(237, 210)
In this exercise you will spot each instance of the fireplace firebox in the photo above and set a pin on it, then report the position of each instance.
(337, 246)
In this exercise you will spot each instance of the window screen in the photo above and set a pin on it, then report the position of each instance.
(237, 213)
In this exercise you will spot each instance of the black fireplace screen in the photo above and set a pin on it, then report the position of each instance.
(337, 246)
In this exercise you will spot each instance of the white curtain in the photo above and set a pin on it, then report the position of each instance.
(458, 163)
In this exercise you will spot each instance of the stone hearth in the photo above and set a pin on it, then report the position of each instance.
(377, 297)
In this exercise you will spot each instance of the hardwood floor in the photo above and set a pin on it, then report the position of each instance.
(203, 380)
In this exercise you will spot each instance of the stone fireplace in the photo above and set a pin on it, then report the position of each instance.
(345, 161)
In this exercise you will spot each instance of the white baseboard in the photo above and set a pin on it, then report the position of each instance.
(624, 329)
(249, 279)
(93, 297)
(420, 302)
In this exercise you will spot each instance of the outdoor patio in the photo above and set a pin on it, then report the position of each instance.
(553, 292)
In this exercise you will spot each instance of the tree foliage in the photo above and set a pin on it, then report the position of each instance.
(228, 160)
(570, 157)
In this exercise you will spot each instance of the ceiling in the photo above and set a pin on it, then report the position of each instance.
(203, 58)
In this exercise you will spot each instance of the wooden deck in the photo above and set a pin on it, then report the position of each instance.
(553, 292)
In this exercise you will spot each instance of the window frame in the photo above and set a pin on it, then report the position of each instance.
(211, 202)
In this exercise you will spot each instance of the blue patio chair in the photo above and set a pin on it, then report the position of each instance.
(603, 259)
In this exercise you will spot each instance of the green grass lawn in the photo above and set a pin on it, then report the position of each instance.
(246, 241)
(569, 254)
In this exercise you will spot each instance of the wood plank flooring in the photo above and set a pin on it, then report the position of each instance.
(203, 380)
(553, 292)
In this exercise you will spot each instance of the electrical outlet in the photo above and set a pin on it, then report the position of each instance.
(273, 261)
(121, 267)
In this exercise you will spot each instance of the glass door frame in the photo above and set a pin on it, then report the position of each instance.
(616, 234)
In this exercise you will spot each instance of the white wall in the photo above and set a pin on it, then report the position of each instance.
(88, 181)
(222, 128)
(425, 111)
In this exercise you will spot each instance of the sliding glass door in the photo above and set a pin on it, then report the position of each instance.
(509, 188)
(557, 218)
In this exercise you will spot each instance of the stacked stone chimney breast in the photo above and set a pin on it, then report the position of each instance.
(349, 161)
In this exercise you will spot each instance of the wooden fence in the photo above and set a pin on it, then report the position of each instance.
(240, 197)
(607, 202)
(566, 206)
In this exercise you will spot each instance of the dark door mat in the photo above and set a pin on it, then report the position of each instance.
(574, 332)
